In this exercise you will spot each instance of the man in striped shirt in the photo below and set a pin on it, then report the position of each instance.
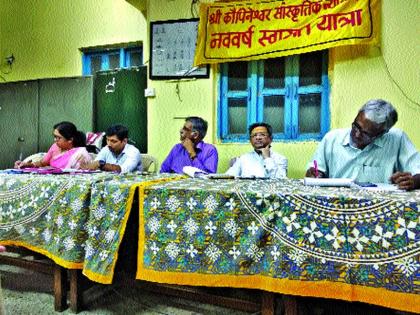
(370, 151)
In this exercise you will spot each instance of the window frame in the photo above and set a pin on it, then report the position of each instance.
(256, 92)
(124, 57)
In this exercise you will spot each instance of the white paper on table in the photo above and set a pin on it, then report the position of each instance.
(334, 182)
(383, 187)
(193, 171)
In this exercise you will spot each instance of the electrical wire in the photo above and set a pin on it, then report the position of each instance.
(409, 99)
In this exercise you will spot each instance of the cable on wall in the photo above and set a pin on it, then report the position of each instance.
(409, 99)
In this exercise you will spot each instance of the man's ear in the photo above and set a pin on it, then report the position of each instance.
(195, 134)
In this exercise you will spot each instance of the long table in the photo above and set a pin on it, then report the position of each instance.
(284, 237)
(76, 220)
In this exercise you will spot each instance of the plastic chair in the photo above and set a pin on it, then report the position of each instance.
(233, 160)
(147, 161)
(94, 141)
(36, 157)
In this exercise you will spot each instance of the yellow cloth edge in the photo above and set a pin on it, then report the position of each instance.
(107, 278)
(323, 289)
(59, 261)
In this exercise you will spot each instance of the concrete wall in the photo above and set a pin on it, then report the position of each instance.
(45, 35)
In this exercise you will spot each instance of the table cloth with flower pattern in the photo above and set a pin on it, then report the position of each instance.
(281, 236)
(77, 220)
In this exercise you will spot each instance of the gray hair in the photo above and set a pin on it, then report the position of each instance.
(380, 112)
(198, 124)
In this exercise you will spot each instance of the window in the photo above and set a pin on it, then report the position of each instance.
(106, 59)
(289, 93)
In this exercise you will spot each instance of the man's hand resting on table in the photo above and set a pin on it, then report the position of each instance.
(406, 180)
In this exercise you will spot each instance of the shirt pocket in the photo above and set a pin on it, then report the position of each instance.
(373, 174)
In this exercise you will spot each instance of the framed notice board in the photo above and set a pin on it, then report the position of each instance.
(172, 48)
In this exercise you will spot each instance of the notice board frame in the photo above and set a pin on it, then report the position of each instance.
(172, 48)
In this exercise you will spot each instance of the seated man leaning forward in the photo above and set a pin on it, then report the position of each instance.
(371, 151)
(263, 161)
(192, 151)
(117, 155)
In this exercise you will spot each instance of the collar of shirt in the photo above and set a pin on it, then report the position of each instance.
(199, 146)
(119, 156)
(259, 153)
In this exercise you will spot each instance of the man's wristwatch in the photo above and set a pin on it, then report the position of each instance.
(101, 164)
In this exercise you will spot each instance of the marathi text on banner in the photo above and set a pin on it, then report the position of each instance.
(230, 31)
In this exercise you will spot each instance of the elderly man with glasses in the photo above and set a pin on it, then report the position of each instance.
(262, 161)
(371, 151)
(192, 150)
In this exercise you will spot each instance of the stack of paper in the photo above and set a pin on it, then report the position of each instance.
(334, 182)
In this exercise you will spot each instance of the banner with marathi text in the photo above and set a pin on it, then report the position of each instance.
(249, 30)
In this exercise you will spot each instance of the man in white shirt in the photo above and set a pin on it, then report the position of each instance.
(263, 161)
(118, 155)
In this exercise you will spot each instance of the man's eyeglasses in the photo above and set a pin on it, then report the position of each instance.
(365, 135)
(259, 134)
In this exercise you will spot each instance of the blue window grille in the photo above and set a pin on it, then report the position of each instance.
(290, 93)
(100, 60)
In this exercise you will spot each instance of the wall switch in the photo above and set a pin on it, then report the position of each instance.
(149, 92)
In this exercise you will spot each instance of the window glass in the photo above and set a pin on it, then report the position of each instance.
(114, 61)
(95, 63)
(274, 112)
(237, 116)
(310, 68)
(135, 58)
(238, 76)
(274, 73)
(309, 113)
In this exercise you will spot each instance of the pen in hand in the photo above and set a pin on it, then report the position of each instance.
(316, 169)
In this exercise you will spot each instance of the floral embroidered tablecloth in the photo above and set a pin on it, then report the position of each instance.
(282, 236)
(76, 220)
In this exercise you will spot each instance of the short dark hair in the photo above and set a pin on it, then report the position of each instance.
(261, 124)
(198, 124)
(118, 130)
(69, 131)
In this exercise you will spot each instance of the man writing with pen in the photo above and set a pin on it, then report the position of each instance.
(370, 151)
(262, 161)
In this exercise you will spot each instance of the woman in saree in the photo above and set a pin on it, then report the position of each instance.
(67, 151)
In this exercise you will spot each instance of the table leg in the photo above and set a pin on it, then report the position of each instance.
(60, 288)
(267, 303)
(76, 299)
(290, 305)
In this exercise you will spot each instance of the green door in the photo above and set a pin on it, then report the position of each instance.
(119, 98)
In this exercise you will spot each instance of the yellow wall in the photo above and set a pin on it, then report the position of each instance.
(45, 44)
(45, 35)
